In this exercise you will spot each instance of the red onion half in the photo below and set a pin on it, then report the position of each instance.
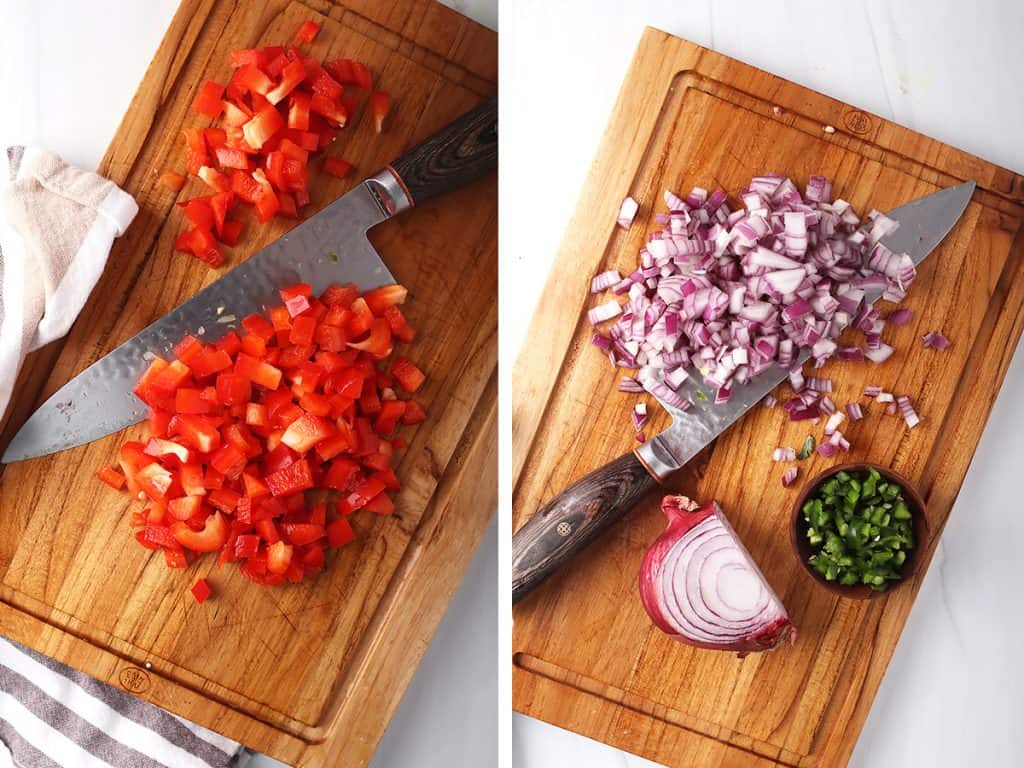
(699, 584)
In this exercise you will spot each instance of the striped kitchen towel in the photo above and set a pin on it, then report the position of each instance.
(52, 716)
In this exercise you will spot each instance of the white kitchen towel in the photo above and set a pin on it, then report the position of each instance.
(52, 716)
(57, 224)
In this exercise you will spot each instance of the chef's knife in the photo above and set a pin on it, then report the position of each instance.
(330, 247)
(571, 520)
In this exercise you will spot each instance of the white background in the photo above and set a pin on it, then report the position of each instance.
(68, 69)
(950, 69)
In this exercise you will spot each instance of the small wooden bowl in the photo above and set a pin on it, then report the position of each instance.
(803, 549)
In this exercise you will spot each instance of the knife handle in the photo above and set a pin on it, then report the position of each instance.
(574, 518)
(459, 153)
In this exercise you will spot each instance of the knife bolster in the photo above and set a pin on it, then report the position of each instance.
(389, 192)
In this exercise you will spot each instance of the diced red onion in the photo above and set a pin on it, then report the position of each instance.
(699, 584)
(605, 280)
(819, 190)
(935, 340)
(827, 406)
(898, 317)
(784, 454)
(833, 422)
(909, 414)
(639, 416)
(770, 401)
(603, 312)
(853, 410)
(627, 212)
(839, 441)
(879, 355)
(805, 412)
(796, 379)
(789, 476)
(884, 397)
(819, 385)
(629, 384)
(872, 391)
(666, 395)
(641, 437)
(733, 293)
(675, 377)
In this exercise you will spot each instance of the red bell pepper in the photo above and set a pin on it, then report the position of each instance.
(209, 539)
(227, 465)
(292, 479)
(111, 477)
(337, 167)
(201, 590)
(208, 100)
(380, 105)
(408, 376)
(307, 31)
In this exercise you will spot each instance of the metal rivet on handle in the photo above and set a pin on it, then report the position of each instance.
(564, 529)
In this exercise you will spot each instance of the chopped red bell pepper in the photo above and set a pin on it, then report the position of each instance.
(337, 167)
(201, 590)
(307, 31)
(379, 299)
(340, 533)
(349, 72)
(292, 479)
(208, 99)
(227, 464)
(196, 154)
(111, 477)
(380, 105)
(214, 179)
(252, 79)
(291, 77)
(211, 538)
(408, 376)
(378, 343)
(279, 557)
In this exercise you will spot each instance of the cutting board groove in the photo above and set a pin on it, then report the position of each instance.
(585, 655)
(326, 662)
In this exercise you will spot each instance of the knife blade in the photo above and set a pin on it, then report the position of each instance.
(576, 516)
(330, 247)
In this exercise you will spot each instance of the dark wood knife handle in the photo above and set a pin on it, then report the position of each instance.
(459, 153)
(574, 518)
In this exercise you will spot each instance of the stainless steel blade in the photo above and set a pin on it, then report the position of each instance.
(924, 223)
(329, 247)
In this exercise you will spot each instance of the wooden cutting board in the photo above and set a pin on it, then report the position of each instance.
(586, 656)
(324, 662)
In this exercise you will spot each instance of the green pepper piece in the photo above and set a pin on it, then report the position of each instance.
(870, 484)
(807, 448)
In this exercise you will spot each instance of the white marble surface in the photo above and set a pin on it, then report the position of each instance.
(68, 70)
(950, 69)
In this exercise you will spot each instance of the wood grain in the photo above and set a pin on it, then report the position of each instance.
(586, 656)
(326, 662)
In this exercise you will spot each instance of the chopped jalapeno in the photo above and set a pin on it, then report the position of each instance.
(859, 525)
(807, 449)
